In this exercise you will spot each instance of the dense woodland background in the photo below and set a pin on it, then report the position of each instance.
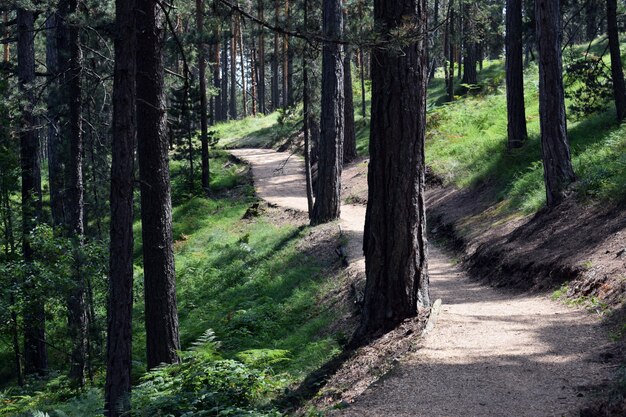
(123, 244)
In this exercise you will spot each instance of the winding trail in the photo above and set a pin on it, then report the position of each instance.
(491, 353)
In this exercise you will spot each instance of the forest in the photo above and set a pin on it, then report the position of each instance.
(312, 208)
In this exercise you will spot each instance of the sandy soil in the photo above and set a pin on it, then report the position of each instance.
(491, 354)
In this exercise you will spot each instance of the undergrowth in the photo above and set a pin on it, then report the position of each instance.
(247, 281)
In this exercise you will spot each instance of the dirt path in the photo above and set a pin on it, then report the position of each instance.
(491, 353)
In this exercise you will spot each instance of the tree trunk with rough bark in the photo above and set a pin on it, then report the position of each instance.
(119, 319)
(204, 122)
(55, 165)
(617, 73)
(327, 205)
(70, 127)
(306, 102)
(261, 62)
(274, 82)
(161, 316)
(233, 68)
(286, 74)
(224, 89)
(349, 134)
(451, 52)
(557, 165)
(395, 243)
(35, 351)
(242, 59)
(516, 113)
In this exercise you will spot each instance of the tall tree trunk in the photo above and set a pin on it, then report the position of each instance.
(617, 74)
(70, 66)
(349, 134)
(233, 68)
(253, 76)
(55, 165)
(275, 78)
(218, 115)
(224, 89)
(261, 61)
(119, 320)
(395, 243)
(161, 314)
(557, 165)
(306, 102)
(451, 52)
(362, 77)
(327, 205)
(516, 113)
(286, 74)
(35, 352)
(242, 60)
(204, 123)
(470, 76)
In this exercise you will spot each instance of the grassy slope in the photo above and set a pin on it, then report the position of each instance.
(466, 141)
(246, 280)
(467, 145)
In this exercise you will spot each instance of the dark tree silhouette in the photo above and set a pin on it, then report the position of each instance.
(557, 165)
(156, 204)
(395, 243)
(328, 188)
(516, 113)
(119, 335)
(35, 352)
(617, 73)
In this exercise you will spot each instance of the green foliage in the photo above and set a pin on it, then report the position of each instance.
(588, 86)
(466, 146)
(203, 384)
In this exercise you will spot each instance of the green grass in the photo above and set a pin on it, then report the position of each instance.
(244, 279)
(249, 132)
(262, 131)
(466, 146)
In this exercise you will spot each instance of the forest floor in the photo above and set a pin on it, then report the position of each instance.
(492, 352)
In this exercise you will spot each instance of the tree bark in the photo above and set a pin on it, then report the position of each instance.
(224, 89)
(218, 114)
(395, 243)
(617, 73)
(161, 315)
(70, 66)
(274, 82)
(233, 68)
(451, 52)
(362, 76)
(327, 205)
(119, 320)
(516, 113)
(55, 165)
(286, 75)
(253, 77)
(349, 134)
(558, 172)
(306, 102)
(261, 61)
(204, 123)
(35, 352)
(242, 59)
